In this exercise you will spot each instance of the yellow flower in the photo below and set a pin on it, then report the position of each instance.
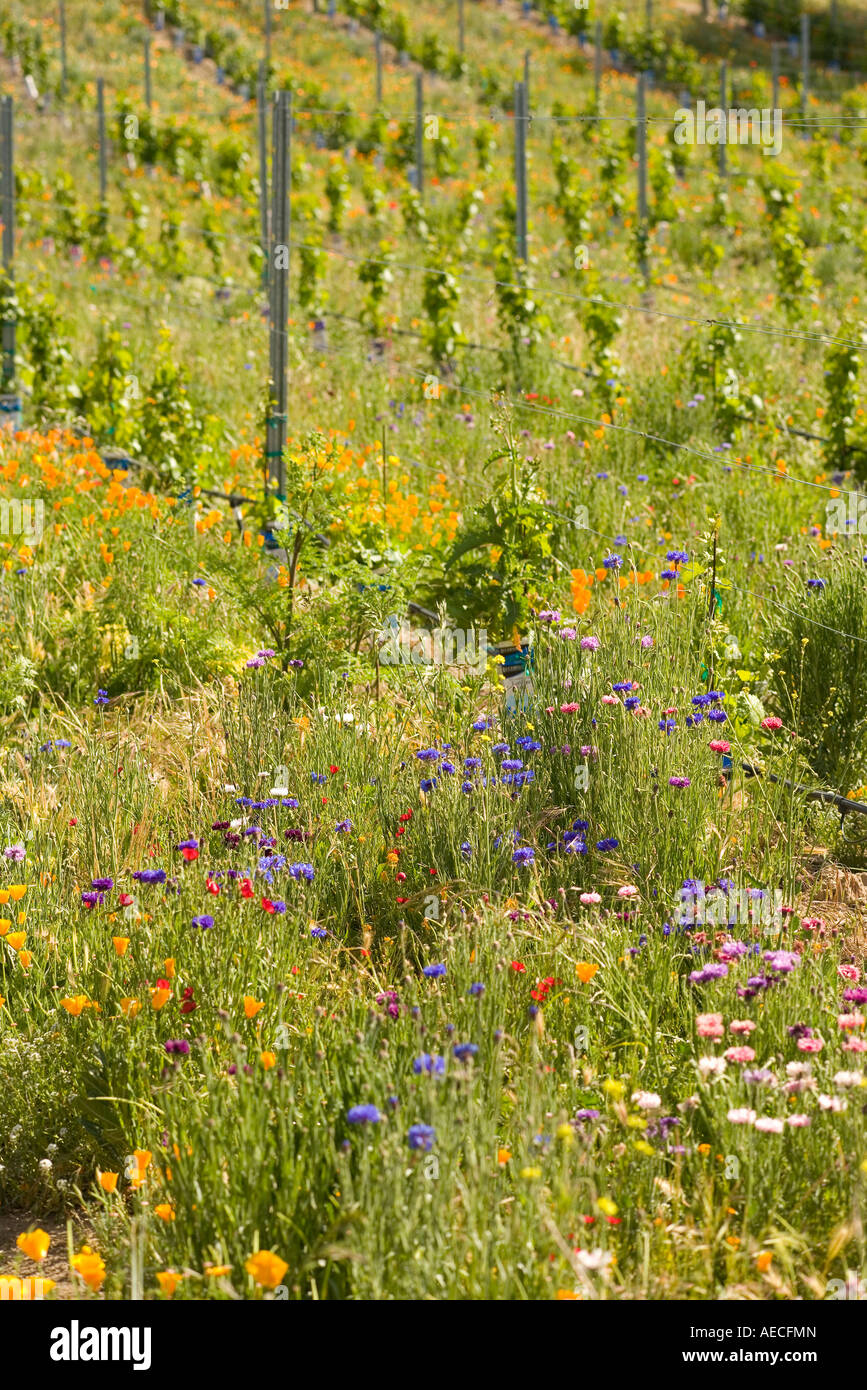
(4, 895)
(17, 891)
(252, 1006)
(269, 1060)
(606, 1206)
(614, 1089)
(90, 1267)
(34, 1244)
(642, 1147)
(160, 997)
(531, 1172)
(16, 939)
(5, 924)
(25, 958)
(562, 1295)
(566, 1134)
(165, 1211)
(703, 1149)
(129, 1007)
(266, 1268)
(763, 1261)
(503, 1156)
(120, 944)
(168, 1281)
(169, 967)
(585, 971)
(107, 1181)
(217, 1271)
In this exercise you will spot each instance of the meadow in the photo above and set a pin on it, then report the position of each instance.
(434, 862)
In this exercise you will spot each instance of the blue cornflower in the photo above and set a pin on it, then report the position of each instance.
(477, 988)
(434, 1066)
(101, 697)
(363, 1115)
(666, 725)
(463, 1051)
(421, 1137)
(343, 827)
(206, 921)
(525, 855)
(608, 844)
(297, 871)
(427, 784)
(815, 583)
(428, 755)
(150, 875)
(511, 765)
(472, 763)
(319, 932)
(613, 562)
(433, 972)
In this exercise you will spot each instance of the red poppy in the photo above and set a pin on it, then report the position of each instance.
(267, 904)
(518, 967)
(247, 888)
(333, 769)
(213, 887)
(125, 899)
(189, 854)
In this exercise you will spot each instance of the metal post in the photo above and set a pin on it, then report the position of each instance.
(521, 169)
(7, 189)
(267, 4)
(419, 134)
(461, 27)
(262, 125)
(63, 48)
(775, 76)
(527, 83)
(103, 159)
(805, 65)
(597, 62)
(377, 43)
(147, 70)
(279, 295)
(723, 101)
(641, 140)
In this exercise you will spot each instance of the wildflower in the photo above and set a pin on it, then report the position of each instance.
(178, 1046)
(205, 921)
(168, 1279)
(711, 1066)
(252, 1006)
(107, 1181)
(739, 1054)
(627, 891)
(590, 899)
(709, 1025)
(646, 1100)
(766, 1124)
(101, 697)
(161, 995)
(165, 1211)
(526, 855)
(421, 1137)
(463, 1051)
(363, 1115)
(34, 1244)
(434, 972)
(772, 723)
(741, 1116)
(433, 1066)
(680, 782)
(90, 1267)
(585, 971)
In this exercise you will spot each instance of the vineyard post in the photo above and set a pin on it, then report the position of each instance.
(723, 101)
(7, 189)
(461, 27)
(62, 48)
(521, 169)
(103, 157)
(419, 133)
(775, 75)
(377, 44)
(278, 320)
(147, 70)
(597, 63)
(641, 137)
(262, 124)
(805, 68)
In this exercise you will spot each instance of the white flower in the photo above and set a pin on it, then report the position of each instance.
(711, 1066)
(646, 1100)
(833, 1103)
(594, 1259)
(845, 1079)
(45, 1165)
(742, 1116)
(798, 1069)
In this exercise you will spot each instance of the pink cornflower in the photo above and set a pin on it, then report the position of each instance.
(741, 1025)
(810, 1044)
(850, 1020)
(848, 972)
(743, 1116)
(813, 923)
(709, 1025)
(719, 745)
(739, 1054)
(589, 899)
(628, 890)
(610, 700)
(568, 709)
(772, 723)
(799, 1121)
(766, 1124)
